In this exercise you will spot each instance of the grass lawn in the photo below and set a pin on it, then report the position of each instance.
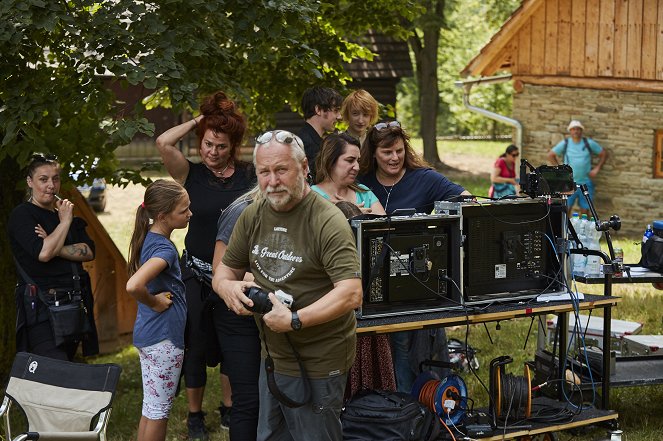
(640, 409)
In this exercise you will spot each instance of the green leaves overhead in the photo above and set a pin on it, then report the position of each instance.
(56, 54)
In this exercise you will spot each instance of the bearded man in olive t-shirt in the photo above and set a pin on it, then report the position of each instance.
(299, 243)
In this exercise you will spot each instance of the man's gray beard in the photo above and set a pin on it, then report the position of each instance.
(296, 194)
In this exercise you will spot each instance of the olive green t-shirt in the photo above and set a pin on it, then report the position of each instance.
(302, 252)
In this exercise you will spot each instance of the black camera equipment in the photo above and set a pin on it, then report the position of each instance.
(546, 180)
(261, 302)
(506, 254)
(409, 264)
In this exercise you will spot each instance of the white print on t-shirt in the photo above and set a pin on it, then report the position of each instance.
(281, 229)
(272, 278)
(281, 255)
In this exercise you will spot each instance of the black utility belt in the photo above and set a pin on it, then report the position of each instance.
(58, 296)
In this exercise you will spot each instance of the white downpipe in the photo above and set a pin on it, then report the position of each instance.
(467, 87)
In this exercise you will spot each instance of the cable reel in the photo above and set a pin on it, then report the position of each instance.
(446, 397)
(508, 392)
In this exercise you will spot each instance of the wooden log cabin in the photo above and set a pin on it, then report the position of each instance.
(600, 62)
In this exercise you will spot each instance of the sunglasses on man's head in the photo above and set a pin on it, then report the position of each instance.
(282, 136)
(386, 125)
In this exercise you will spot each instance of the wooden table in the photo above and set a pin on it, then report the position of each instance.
(478, 314)
(507, 311)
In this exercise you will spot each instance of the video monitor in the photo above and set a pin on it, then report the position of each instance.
(409, 264)
(507, 251)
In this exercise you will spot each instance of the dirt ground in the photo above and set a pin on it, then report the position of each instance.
(474, 164)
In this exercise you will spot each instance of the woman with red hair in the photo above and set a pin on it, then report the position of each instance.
(213, 183)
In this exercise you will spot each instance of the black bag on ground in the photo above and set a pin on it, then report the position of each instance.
(388, 416)
(652, 254)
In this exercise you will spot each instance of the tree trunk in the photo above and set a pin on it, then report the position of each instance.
(425, 53)
(10, 177)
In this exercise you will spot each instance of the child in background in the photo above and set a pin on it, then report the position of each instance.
(156, 283)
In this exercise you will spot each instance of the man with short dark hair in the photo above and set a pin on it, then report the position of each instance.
(321, 107)
(295, 241)
(577, 151)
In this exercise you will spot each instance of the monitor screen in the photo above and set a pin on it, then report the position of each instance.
(507, 251)
(408, 264)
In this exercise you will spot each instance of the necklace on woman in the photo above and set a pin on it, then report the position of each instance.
(391, 188)
(219, 173)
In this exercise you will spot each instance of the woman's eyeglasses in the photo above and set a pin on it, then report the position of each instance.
(282, 136)
(386, 125)
(515, 155)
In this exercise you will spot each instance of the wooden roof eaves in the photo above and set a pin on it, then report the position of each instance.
(477, 66)
(613, 84)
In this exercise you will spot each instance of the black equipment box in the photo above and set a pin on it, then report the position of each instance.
(409, 264)
(507, 251)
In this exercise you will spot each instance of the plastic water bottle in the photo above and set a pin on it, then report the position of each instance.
(593, 265)
(648, 233)
(575, 222)
(579, 260)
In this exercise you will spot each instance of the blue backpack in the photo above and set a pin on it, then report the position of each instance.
(566, 144)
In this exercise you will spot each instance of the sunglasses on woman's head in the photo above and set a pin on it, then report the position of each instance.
(40, 157)
(386, 125)
(282, 136)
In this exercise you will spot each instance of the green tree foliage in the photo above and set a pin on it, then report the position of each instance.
(469, 26)
(55, 55)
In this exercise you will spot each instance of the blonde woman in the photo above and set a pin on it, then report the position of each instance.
(360, 111)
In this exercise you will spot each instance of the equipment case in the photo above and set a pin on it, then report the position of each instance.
(619, 330)
(634, 345)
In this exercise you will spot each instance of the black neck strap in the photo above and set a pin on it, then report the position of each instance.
(271, 381)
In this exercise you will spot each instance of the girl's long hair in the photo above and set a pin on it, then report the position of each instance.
(161, 197)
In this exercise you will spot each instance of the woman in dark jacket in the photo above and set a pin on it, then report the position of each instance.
(49, 245)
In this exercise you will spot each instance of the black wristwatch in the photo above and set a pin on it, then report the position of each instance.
(295, 323)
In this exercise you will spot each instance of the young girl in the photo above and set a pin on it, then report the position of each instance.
(156, 283)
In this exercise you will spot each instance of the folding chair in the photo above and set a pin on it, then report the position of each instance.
(61, 400)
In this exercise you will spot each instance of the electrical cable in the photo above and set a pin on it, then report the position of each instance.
(447, 398)
(525, 222)
(575, 302)
(447, 427)
(405, 267)
(515, 390)
(456, 428)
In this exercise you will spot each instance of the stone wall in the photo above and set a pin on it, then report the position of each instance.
(624, 123)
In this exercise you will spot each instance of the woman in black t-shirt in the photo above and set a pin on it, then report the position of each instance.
(212, 185)
(49, 244)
